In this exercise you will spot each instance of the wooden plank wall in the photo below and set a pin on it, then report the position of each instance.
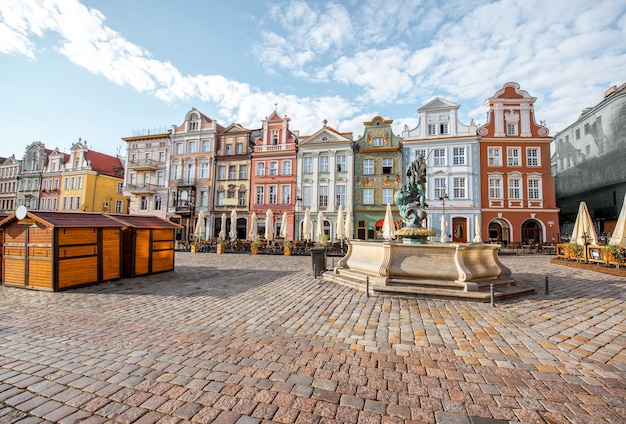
(162, 250)
(14, 256)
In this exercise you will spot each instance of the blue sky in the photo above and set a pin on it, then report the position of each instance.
(101, 69)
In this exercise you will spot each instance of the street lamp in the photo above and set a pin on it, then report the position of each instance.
(443, 198)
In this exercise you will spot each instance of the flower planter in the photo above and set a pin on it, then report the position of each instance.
(220, 248)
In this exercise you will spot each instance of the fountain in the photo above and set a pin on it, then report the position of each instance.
(420, 267)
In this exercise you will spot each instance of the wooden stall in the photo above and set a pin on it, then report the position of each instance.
(2, 218)
(49, 250)
(147, 244)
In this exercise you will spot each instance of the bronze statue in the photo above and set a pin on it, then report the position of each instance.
(411, 198)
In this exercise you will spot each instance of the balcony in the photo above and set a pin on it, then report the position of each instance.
(274, 148)
(143, 165)
(184, 182)
(143, 188)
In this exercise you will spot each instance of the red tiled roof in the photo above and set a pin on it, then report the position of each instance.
(105, 164)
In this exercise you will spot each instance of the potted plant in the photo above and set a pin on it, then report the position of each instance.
(195, 243)
(256, 243)
(613, 253)
(573, 250)
(220, 246)
(287, 247)
(324, 240)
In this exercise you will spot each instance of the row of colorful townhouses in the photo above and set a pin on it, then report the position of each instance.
(494, 179)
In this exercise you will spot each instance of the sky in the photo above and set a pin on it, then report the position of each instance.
(101, 70)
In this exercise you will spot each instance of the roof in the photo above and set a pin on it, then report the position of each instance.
(67, 219)
(144, 221)
(105, 164)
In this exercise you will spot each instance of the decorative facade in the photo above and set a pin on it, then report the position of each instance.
(9, 171)
(453, 180)
(378, 174)
(29, 179)
(590, 163)
(324, 178)
(92, 182)
(518, 202)
(191, 183)
(51, 180)
(232, 180)
(273, 178)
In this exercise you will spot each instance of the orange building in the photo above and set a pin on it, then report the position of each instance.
(273, 179)
(518, 202)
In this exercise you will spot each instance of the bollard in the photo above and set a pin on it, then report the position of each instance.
(547, 286)
(314, 272)
(367, 286)
(492, 292)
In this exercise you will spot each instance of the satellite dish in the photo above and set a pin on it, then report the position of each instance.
(20, 212)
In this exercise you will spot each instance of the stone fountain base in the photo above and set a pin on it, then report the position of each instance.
(453, 270)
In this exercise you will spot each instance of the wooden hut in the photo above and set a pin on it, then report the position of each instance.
(2, 217)
(147, 244)
(49, 250)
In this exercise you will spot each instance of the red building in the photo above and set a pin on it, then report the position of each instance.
(273, 179)
(518, 202)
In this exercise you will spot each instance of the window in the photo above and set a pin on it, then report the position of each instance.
(440, 187)
(307, 165)
(578, 134)
(260, 169)
(515, 185)
(511, 128)
(286, 167)
(494, 155)
(78, 202)
(378, 141)
(260, 195)
(306, 196)
(273, 168)
(387, 166)
(243, 172)
(459, 187)
(206, 146)
(341, 163)
(160, 176)
(444, 128)
(161, 157)
(368, 166)
(323, 196)
(204, 198)
(532, 156)
(204, 170)
(71, 203)
(158, 202)
(177, 171)
(419, 152)
(119, 204)
(387, 196)
(439, 157)
(64, 203)
(72, 183)
(143, 203)
(458, 155)
(146, 179)
(368, 196)
(242, 198)
(192, 126)
(285, 195)
(239, 148)
(229, 149)
(230, 194)
(323, 163)
(340, 194)
(192, 147)
(534, 188)
(178, 148)
(232, 172)
(513, 156)
(220, 198)
(495, 188)
(272, 194)
(432, 129)
(120, 188)
(221, 172)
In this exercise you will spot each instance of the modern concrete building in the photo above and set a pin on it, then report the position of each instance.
(453, 158)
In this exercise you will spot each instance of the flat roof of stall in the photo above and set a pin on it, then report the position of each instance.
(144, 221)
(55, 219)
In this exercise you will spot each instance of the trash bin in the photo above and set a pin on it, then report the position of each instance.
(318, 259)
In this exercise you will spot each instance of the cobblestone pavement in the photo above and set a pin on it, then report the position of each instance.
(245, 339)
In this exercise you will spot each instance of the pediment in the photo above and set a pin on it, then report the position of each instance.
(437, 104)
(325, 135)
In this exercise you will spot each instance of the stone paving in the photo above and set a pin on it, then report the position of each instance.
(246, 339)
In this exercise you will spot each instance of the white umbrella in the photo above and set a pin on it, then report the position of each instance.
(348, 225)
(340, 227)
(619, 233)
(284, 231)
(307, 226)
(389, 230)
(269, 224)
(444, 230)
(320, 225)
(477, 238)
(223, 230)
(233, 225)
(583, 227)
(198, 232)
(254, 223)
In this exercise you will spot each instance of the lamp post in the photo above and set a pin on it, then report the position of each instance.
(443, 198)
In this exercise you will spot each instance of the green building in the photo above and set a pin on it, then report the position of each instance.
(377, 176)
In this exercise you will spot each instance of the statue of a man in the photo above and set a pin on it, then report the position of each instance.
(417, 178)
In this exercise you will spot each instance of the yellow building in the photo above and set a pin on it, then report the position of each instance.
(92, 182)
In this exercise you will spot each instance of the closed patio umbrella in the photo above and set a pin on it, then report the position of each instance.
(319, 231)
(233, 225)
(584, 231)
(477, 237)
(444, 230)
(284, 231)
(619, 232)
(223, 229)
(198, 232)
(307, 226)
(389, 231)
(254, 225)
(340, 227)
(349, 231)
(269, 224)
